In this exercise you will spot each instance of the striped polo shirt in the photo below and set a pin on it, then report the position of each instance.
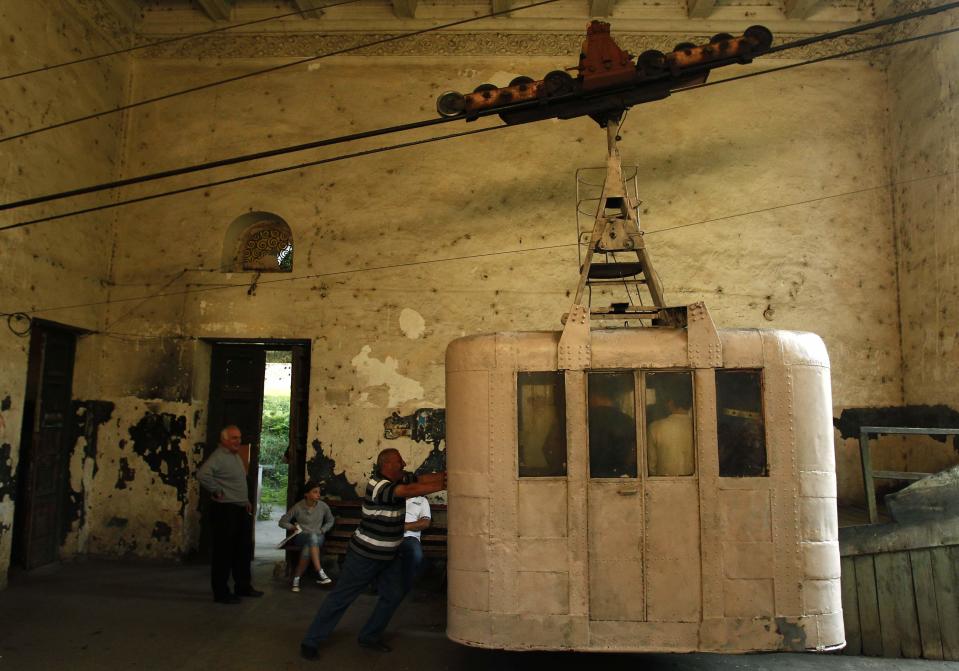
(381, 527)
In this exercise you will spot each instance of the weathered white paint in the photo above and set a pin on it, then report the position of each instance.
(374, 372)
(412, 323)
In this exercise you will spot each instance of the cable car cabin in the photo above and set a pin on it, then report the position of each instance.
(676, 494)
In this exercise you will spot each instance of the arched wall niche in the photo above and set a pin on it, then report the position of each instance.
(260, 242)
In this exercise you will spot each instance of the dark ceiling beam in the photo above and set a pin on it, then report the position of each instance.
(217, 10)
(310, 8)
(800, 9)
(700, 9)
(601, 7)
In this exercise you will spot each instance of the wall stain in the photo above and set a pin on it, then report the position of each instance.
(127, 474)
(118, 522)
(435, 462)
(8, 476)
(926, 416)
(162, 531)
(423, 425)
(321, 469)
(794, 636)
(156, 438)
(6, 403)
(88, 416)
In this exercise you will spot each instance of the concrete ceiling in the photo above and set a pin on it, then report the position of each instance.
(632, 16)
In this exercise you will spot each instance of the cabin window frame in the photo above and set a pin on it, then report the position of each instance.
(564, 432)
(637, 423)
(692, 418)
(767, 471)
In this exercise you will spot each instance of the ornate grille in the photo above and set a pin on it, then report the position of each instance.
(268, 249)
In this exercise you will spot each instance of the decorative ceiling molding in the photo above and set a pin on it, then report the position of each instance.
(561, 45)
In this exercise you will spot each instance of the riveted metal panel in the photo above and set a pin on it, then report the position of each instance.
(616, 576)
(471, 353)
(748, 560)
(576, 461)
(641, 348)
(672, 550)
(541, 508)
(783, 476)
(742, 348)
(711, 527)
(467, 426)
(503, 506)
(543, 592)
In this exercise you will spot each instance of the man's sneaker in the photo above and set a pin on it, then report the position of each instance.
(322, 578)
(296, 585)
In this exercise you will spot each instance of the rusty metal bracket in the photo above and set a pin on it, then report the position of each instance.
(575, 349)
(705, 347)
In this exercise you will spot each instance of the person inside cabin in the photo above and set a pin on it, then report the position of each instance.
(372, 554)
(612, 432)
(310, 519)
(670, 438)
(418, 518)
(223, 474)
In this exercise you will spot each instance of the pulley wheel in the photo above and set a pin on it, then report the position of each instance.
(684, 46)
(759, 36)
(522, 79)
(450, 103)
(651, 61)
(720, 37)
(485, 89)
(558, 82)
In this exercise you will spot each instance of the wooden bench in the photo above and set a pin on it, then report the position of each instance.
(347, 514)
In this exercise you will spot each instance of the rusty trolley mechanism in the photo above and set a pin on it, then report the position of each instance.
(666, 486)
(608, 79)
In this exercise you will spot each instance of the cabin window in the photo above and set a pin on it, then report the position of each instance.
(612, 425)
(741, 430)
(541, 411)
(669, 424)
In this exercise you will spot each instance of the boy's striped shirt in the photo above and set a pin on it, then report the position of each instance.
(381, 527)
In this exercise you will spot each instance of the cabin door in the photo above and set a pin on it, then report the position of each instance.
(615, 503)
(643, 498)
(671, 497)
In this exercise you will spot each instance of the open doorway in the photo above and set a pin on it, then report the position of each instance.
(262, 388)
(275, 488)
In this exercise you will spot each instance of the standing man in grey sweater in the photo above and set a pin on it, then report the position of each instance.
(231, 519)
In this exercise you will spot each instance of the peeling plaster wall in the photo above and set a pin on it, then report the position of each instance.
(379, 337)
(57, 263)
(924, 122)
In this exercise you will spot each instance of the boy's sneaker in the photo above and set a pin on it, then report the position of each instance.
(296, 585)
(322, 578)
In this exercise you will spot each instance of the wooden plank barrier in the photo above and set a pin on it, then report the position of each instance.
(902, 603)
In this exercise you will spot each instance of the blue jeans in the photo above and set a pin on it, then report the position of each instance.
(358, 572)
(411, 556)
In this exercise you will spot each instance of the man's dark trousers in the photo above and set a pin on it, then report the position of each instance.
(358, 572)
(232, 535)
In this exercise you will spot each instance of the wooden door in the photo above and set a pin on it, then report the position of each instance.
(299, 422)
(44, 446)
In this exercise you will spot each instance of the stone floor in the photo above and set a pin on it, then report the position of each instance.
(119, 615)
